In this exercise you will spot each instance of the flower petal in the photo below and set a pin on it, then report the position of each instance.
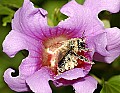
(113, 38)
(80, 20)
(16, 41)
(72, 74)
(96, 6)
(30, 21)
(15, 83)
(38, 82)
(113, 46)
(85, 85)
(29, 66)
(98, 44)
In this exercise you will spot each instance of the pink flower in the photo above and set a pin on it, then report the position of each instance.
(51, 49)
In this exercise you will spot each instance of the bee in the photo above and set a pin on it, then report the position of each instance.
(69, 60)
(66, 56)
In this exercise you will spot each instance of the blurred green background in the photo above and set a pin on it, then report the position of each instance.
(7, 10)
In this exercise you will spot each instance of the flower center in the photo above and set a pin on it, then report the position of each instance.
(61, 55)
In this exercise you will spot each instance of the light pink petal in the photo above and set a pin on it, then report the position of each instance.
(113, 55)
(108, 59)
(31, 21)
(98, 44)
(15, 83)
(29, 66)
(113, 46)
(113, 38)
(72, 74)
(96, 6)
(80, 20)
(38, 82)
(85, 85)
(16, 41)
(101, 43)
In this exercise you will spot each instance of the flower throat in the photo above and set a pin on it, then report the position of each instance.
(66, 55)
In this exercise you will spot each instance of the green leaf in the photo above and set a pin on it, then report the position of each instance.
(57, 16)
(1, 78)
(6, 20)
(12, 3)
(6, 89)
(80, 1)
(50, 22)
(54, 15)
(5, 10)
(112, 85)
(115, 20)
(106, 23)
(116, 63)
